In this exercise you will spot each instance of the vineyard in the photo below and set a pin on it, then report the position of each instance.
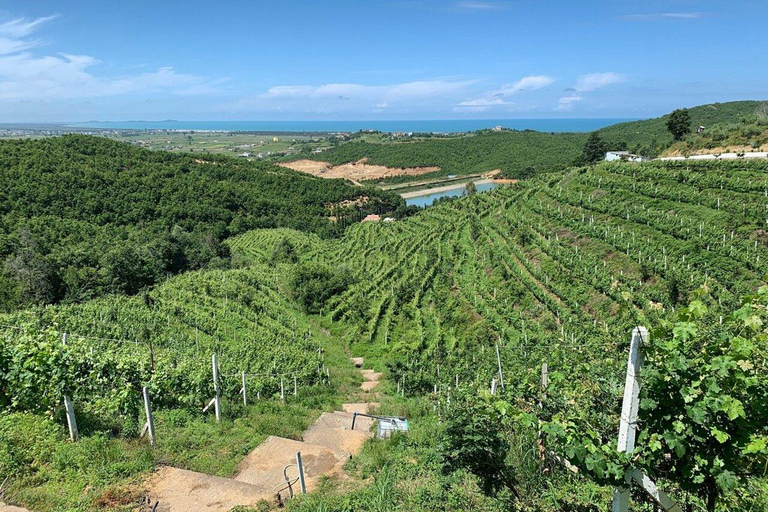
(559, 272)
(472, 294)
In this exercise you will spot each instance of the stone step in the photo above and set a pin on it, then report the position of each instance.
(364, 407)
(263, 467)
(357, 361)
(369, 385)
(179, 490)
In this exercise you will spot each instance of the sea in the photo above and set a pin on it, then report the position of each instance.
(326, 126)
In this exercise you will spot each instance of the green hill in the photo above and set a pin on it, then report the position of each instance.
(84, 216)
(516, 153)
(650, 137)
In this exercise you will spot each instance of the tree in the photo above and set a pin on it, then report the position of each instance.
(312, 284)
(594, 149)
(284, 252)
(470, 189)
(679, 123)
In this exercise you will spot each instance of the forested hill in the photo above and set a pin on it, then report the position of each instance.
(81, 216)
(516, 153)
(651, 136)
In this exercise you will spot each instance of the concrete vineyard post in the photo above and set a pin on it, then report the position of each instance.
(69, 407)
(216, 400)
(498, 360)
(150, 426)
(245, 397)
(282, 388)
(493, 386)
(295, 386)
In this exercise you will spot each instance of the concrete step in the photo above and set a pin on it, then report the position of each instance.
(357, 361)
(371, 375)
(11, 508)
(364, 407)
(369, 385)
(350, 441)
(263, 467)
(179, 490)
(343, 421)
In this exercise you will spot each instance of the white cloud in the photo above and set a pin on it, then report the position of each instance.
(663, 16)
(495, 97)
(25, 76)
(480, 105)
(585, 84)
(327, 97)
(565, 104)
(478, 6)
(527, 83)
(594, 81)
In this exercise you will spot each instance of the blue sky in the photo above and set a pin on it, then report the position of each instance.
(375, 59)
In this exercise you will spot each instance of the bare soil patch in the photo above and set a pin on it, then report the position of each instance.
(357, 171)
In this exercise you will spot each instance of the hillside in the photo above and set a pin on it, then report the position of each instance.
(557, 269)
(516, 153)
(84, 216)
(650, 137)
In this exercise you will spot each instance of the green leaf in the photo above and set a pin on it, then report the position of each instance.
(733, 407)
(719, 435)
(757, 445)
(684, 330)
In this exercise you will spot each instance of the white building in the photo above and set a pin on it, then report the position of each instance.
(624, 156)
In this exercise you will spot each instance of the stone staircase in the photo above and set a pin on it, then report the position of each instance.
(328, 444)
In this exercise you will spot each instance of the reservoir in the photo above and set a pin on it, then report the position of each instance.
(427, 198)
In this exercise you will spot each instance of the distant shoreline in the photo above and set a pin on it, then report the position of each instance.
(447, 126)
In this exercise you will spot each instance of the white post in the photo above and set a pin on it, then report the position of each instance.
(71, 422)
(148, 411)
(493, 386)
(498, 360)
(629, 410)
(295, 387)
(216, 401)
(69, 407)
(282, 389)
(245, 398)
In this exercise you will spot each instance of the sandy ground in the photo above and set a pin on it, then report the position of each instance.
(355, 172)
(455, 186)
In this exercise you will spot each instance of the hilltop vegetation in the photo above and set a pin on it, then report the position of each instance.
(515, 153)
(651, 137)
(84, 216)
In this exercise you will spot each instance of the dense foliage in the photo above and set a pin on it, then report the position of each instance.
(84, 216)
(510, 151)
